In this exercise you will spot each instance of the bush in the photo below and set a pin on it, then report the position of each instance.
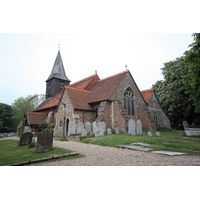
(43, 126)
(162, 128)
(50, 127)
(19, 127)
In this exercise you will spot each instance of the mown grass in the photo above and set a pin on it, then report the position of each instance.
(165, 142)
(11, 153)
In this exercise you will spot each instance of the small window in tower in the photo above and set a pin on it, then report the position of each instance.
(61, 123)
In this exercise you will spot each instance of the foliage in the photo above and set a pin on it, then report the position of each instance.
(43, 126)
(171, 94)
(19, 127)
(192, 79)
(19, 107)
(5, 118)
(11, 152)
(162, 128)
(50, 127)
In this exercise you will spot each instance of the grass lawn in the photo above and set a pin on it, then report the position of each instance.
(11, 153)
(165, 142)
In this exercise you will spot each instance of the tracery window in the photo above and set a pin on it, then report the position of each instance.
(129, 101)
(61, 123)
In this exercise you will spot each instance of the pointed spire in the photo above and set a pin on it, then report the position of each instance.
(58, 70)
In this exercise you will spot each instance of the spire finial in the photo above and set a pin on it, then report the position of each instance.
(58, 47)
(126, 67)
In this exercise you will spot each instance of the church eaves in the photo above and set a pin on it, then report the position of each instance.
(58, 70)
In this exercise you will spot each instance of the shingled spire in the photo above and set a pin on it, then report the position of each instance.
(57, 79)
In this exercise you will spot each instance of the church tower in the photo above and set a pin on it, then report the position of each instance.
(57, 79)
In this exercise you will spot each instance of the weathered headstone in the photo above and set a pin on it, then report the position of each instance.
(44, 141)
(84, 132)
(27, 129)
(185, 124)
(80, 127)
(158, 134)
(116, 131)
(100, 128)
(109, 131)
(26, 138)
(103, 125)
(94, 127)
(72, 128)
(88, 127)
(149, 134)
(139, 127)
(131, 127)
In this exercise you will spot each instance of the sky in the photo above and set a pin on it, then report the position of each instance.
(26, 59)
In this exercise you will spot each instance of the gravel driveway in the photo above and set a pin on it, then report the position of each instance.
(109, 156)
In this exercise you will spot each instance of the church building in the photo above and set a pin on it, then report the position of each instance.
(114, 100)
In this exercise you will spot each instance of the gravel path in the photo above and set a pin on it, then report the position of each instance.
(109, 156)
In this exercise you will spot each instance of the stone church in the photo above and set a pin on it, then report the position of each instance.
(114, 100)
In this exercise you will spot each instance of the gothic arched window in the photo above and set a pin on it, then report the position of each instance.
(129, 101)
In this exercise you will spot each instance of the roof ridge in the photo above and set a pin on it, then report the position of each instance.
(73, 88)
(147, 90)
(112, 76)
(82, 80)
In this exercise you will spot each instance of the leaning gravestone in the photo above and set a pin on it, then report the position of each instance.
(27, 129)
(26, 138)
(109, 131)
(88, 127)
(149, 134)
(72, 128)
(44, 141)
(131, 127)
(139, 127)
(185, 124)
(158, 134)
(94, 126)
(84, 133)
(80, 127)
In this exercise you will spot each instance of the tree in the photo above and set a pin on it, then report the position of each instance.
(5, 118)
(171, 94)
(192, 79)
(19, 107)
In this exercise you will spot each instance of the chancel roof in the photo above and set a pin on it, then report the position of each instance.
(35, 118)
(147, 94)
(58, 70)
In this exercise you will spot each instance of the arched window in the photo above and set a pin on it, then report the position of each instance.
(61, 123)
(129, 101)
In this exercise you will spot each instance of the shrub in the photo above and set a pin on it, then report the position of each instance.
(43, 126)
(19, 127)
(162, 128)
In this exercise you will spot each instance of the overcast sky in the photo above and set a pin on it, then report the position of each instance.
(93, 35)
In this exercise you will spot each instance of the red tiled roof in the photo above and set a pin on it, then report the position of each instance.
(86, 83)
(79, 98)
(147, 94)
(35, 118)
(103, 89)
(51, 102)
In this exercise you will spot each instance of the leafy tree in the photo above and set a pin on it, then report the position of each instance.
(19, 107)
(171, 94)
(5, 118)
(192, 79)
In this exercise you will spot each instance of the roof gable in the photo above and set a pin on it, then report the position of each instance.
(147, 94)
(103, 89)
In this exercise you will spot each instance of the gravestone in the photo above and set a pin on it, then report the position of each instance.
(27, 129)
(149, 134)
(88, 127)
(26, 138)
(72, 128)
(80, 127)
(44, 141)
(185, 124)
(103, 125)
(131, 127)
(84, 132)
(158, 134)
(94, 127)
(100, 128)
(109, 131)
(139, 127)
(116, 131)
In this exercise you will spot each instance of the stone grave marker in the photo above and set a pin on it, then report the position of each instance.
(185, 124)
(158, 134)
(100, 128)
(72, 128)
(88, 127)
(109, 131)
(26, 138)
(84, 132)
(139, 127)
(44, 141)
(80, 127)
(149, 134)
(103, 125)
(94, 127)
(131, 127)
(27, 129)
(116, 131)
